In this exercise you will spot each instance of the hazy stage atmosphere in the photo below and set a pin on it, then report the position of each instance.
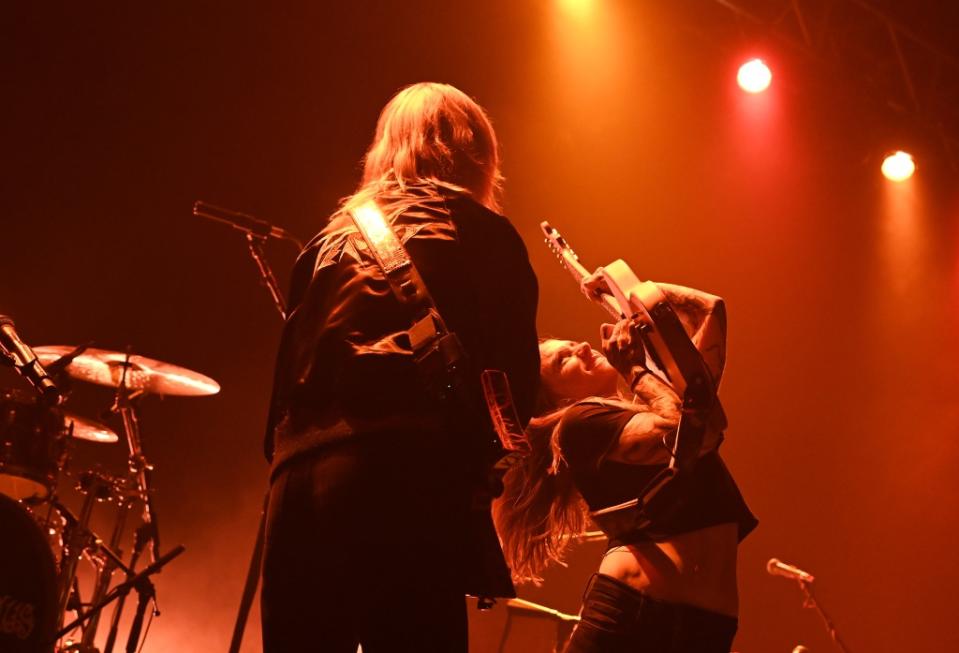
(622, 124)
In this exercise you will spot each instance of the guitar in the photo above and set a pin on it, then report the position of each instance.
(668, 346)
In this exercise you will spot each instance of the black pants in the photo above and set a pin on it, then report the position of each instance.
(617, 618)
(361, 547)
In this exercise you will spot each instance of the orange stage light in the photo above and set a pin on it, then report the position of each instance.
(898, 166)
(578, 8)
(754, 76)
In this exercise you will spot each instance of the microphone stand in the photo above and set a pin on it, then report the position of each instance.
(810, 602)
(267, 278)
(145, 593)
(121, 590)
(257, 232)
(142, 536)
(252, 581)
(255, 244)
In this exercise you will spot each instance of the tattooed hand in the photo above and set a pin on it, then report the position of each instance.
(623, 345)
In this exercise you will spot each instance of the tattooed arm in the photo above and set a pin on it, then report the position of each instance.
(657, 406)
(704, 318)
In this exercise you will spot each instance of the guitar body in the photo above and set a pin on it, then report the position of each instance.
(668, 345)
(643, 299)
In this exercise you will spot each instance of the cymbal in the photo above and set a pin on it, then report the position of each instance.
(104, 367)
(87, 429)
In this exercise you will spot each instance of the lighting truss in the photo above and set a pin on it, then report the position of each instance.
(856, 40)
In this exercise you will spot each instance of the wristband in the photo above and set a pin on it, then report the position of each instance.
(637, 375)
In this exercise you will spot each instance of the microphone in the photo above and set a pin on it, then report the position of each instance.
(777, 567)
(26, 362)
(242, 221)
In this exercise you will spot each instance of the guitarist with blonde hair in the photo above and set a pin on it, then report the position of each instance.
(667, 583)
(371, 520)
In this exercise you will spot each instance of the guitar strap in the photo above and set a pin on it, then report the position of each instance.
(443, 365)
(664, 494)
(436, 349)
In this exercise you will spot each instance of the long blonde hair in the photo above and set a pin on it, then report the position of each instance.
(432, 133)
(540, 509)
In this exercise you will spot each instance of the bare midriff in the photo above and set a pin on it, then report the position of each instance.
(696, 568)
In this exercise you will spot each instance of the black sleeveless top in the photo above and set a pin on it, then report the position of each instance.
(588, 432)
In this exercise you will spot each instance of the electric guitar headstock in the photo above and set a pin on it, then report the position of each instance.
(558, 245)
(569, 260)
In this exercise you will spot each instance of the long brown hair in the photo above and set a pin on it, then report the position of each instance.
(432, 133)
(540, 509)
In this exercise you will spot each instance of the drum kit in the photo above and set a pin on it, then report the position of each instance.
(45, 543)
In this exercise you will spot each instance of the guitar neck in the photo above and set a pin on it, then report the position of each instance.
(606, 301)
(571, 262)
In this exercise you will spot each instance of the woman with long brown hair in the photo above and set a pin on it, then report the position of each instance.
(668, 586)
(370, 482)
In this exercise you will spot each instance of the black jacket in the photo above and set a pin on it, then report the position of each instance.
(343, 367)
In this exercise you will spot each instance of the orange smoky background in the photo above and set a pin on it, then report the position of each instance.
(621, 123)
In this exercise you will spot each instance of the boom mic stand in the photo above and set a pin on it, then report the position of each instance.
(257, 233)
(140, 539)
(145, 593)
(121, 590)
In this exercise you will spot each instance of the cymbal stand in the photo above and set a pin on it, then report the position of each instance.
(146, 592)
(73, 546)
(105, 568)
(124, 404)
(123, 588)
(140, 540)
(78, 539)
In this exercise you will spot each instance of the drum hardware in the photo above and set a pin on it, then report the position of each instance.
(124, 404)
(139, 581)
(50, 519)
(32, 446)
(141, 537)
(83, 428)
(107, 563)
(131, 377)
(136, 373)
(96, 487)
(56, 368)
(106, 558)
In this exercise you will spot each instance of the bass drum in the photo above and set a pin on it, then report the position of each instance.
(28, 583)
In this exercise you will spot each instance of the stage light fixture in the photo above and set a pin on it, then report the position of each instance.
(754, 76)
(898, 166)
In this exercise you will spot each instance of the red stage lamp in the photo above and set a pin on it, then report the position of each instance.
(754, 76)
(898, 166)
